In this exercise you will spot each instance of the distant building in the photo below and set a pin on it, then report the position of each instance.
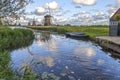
(34, 23)
(29, 24)
(19, 24)
(114, 28)
(47, 20)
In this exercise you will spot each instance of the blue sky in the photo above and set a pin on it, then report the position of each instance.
(73, 11)
(69, 5)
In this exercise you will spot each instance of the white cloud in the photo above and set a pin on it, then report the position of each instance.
(118, 1)
(85, 2)
(113, 8)
(38, 19)
(51, 5)
(100, 13)
(22, 21)
(59, 14)
(40, 11)
(85, 51)
(88, 18)
(99, 16)
(111, 11)
(62, 20)
(46, 5)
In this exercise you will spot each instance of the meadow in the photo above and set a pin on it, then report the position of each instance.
(91, 31)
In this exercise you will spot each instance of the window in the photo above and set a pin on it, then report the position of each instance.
(114, 23)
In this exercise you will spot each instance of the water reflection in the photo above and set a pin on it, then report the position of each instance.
(86, 51)
(44, 39)
(100, 61)
(67, 58)
(49, 61)
(45, 36)
(42, 36)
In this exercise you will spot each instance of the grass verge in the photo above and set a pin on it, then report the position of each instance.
(91, 31)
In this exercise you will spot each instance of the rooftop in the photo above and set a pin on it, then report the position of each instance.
(117, 12)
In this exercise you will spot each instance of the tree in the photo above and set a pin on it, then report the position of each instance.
(117, 17)
(12, 7)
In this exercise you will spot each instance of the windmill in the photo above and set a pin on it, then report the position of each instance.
(48, 17)
(34, 22)
(47, 20)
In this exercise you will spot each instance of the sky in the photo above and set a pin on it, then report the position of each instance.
(74, 12)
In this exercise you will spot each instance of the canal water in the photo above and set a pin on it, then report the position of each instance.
(54, 55)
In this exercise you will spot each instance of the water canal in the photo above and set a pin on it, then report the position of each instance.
(69, 59)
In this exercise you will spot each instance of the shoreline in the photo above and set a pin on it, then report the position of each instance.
(100, 39)
(110, 42)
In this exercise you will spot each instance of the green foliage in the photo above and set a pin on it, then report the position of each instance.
(14, 38)
(5, 71)
(117, 17)
(9, 40)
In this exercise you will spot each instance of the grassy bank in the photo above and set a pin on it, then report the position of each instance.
(14, 38)
(9, 40)
(92, 31)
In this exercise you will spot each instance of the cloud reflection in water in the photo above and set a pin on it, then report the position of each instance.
(85, 51)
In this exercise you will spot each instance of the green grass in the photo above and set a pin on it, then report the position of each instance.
(5, 71)
(92, 31)
(10, 40)
(14, 38)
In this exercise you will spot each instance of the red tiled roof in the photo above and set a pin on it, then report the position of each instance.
(117, 12)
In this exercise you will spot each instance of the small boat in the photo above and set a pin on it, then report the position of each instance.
(78, 35)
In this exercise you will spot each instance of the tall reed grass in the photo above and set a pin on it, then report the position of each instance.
(10, 40)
